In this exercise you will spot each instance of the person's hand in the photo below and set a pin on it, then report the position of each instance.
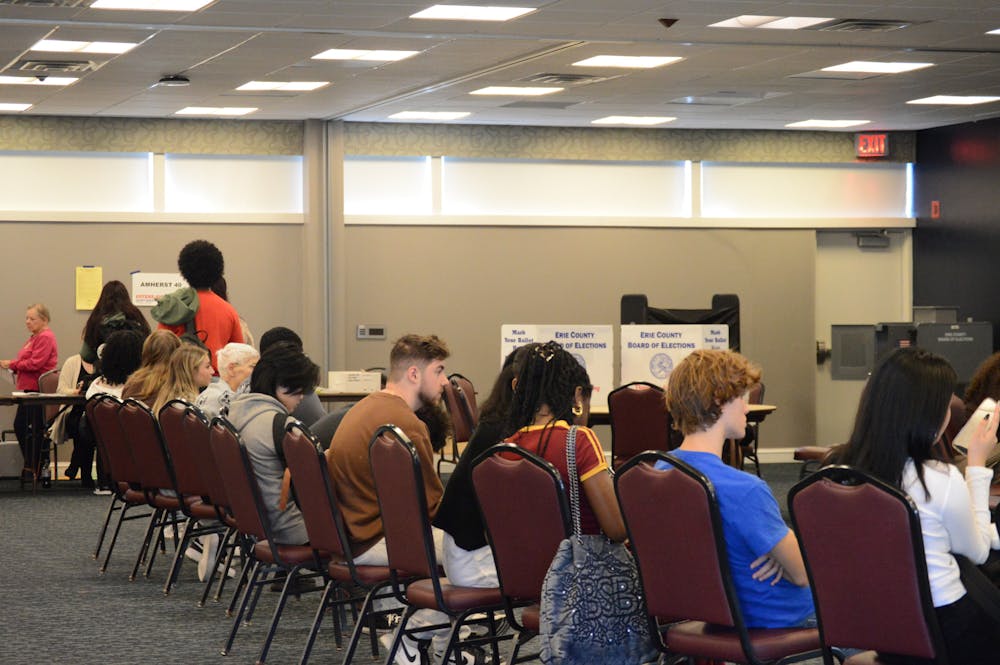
(5, 364)
(984, 438)
(765, 567)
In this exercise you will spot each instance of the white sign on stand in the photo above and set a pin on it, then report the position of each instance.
(148, 286)
(592, 346)
(650, 352)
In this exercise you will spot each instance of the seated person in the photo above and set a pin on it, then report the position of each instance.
(236, 362)
(310, 409)
(282, 377)
(189, 370)
(706, 395)
(144, 383)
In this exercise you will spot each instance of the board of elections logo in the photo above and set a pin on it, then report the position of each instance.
(661, 365)
(579, 359)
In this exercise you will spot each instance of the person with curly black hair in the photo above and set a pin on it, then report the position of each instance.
(198, 310)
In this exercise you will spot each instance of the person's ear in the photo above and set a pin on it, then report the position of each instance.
(413, 373)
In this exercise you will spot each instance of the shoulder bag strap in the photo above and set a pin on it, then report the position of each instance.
(574, 482)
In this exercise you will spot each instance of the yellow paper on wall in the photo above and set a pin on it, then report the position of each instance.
(89, 280)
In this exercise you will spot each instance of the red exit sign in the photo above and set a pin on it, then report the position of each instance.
(871, 145)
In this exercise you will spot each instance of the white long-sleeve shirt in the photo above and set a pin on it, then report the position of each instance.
(955, 518)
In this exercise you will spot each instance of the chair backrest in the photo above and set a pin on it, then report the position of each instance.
(102, 415)
(144, 438)
(314, 491)
(524, 506)
(461, 407)
(674, 525)
(183, 454)
(403, 503)
(49, 383)
(639, 420)
(863, 549)
(469, 391)
(756, 395)
(102, 450)
(237, 475)
(198, 429)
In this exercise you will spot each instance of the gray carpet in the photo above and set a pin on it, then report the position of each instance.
(58, 609)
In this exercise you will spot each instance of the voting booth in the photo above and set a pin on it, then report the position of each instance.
(650, 352)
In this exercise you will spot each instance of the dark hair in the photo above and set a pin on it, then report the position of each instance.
(496, 406)
(985, 383)
(284, 365)
(415, 349)
(121, 355)
(902, 408)
(221, 289)
(550, 376)
(279, 334)
(438, 421)
(114, 298)
(201, 264)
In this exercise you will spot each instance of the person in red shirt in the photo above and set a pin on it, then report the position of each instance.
(216, 322)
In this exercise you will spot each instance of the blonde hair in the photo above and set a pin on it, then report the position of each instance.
(152, 373)
(42, 310)
(702, 383)
(180, 383)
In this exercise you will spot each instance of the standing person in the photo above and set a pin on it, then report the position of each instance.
(114, 311)
(38, 355)
(707, 396)
(904, 410)
(210, 318)
(221, 289)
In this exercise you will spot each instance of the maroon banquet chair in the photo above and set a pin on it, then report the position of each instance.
(639, 421)
(524, 526)
(863, 548)
(460, 400)
(675, 529)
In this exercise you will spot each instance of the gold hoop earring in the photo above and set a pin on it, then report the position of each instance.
(577, 410)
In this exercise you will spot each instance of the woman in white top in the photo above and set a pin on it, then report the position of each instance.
(904, 410)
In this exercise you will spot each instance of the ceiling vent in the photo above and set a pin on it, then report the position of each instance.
(549, 78)
(726, 98)
(55, 66)
(557, 106)
(863, 25)
(42, 3)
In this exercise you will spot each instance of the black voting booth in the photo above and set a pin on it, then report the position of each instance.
(725, 309)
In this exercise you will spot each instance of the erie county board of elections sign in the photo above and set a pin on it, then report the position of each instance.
(148, 286)
(592, 346)
(650, 352)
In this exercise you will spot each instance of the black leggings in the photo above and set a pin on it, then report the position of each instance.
(22, 428)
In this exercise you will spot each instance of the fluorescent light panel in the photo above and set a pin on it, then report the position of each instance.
(64, 46)
(639, 120)
(430, 115)
(34, 80)
(770, 22)
(994, 32)
(287, 86)
(11, 106)
(628, 61)
(472, 13)
(381, 55)
(152, 5)
(216, 110)
(828, 124)
(512, 91)
(878, 67)
(954, 100)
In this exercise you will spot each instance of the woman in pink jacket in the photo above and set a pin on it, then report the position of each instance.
(38, 355)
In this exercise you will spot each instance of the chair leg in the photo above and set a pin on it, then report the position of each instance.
(324, 604)
(243, 606)
(276, 617)
(114, 539)
(104, 527)
(154, 519)
(249, 567)
(226, 542)
(364, 619)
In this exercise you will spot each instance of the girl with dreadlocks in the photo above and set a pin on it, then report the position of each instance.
(551, 391)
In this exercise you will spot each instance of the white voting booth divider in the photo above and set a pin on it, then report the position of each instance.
(592, 346)
(650, 352)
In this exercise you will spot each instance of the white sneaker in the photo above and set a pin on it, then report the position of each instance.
(209, 548)
(408, 652)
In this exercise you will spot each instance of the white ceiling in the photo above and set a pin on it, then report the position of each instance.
(752, 76)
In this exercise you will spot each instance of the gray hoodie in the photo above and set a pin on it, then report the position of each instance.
(252, 415)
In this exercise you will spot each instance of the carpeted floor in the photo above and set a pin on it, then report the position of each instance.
(56, 608)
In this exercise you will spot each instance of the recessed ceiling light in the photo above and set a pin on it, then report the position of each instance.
(429, 115)
(152, 5)
(641, 120)
(288, 86)
(10, 106)
(994, 32)
(770, 22)
(381, 55)
(957, 100)
(37, 80)
(472, 13)
(828, 124)
(64, 46)
(515, 90)
(878, 67)
(216, 110)
(630, 61)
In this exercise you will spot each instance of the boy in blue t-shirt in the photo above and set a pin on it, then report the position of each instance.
(706, 395)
